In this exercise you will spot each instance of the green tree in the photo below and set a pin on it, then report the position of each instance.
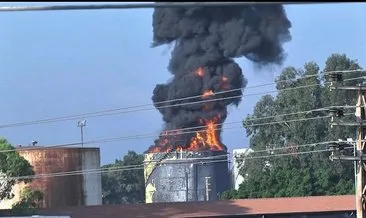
(11, 165)
(30, 200)
(124, 187)
(307, 174)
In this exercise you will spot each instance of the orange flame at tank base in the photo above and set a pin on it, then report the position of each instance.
(204, 139)
(166, 139)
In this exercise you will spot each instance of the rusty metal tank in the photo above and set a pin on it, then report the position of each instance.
(185, 176)
(70, 190)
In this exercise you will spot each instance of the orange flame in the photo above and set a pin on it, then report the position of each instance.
(207, 93)
(200, 72)
(208, 138)
(166, 140)
(204, 139)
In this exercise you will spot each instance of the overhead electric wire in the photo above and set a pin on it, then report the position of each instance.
(134, 108)
(183, 132)
(294, 120)
(140, 6)
(174, 133)
(287, 148)
(95, 114)
(300, 112)
(141, 166)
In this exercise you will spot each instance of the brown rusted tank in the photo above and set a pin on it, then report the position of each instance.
(60, 190)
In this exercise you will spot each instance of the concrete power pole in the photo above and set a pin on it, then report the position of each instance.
(360, 154)
(360, 146)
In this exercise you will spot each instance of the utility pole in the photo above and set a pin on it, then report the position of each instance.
(82, 124)
(360, 155)
(361, 179)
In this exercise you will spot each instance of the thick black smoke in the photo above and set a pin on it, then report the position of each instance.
(210, 37)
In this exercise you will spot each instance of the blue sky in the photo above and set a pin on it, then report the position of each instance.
(59, 63)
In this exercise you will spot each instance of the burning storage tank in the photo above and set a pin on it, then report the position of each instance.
(60, 190)
(205, 81)
(185, 176)
(197, 171)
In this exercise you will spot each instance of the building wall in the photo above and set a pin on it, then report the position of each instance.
(185, 176)
(72, 190)
(237, 179)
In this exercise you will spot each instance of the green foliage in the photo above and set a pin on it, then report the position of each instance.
(12, 165)
(305, 174)
(124, 187)
(30, 200)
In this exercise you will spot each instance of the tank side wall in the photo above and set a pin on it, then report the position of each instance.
(57, 190)
(222, 177)
(204, 171)
(216, 175)
(63, 190)
(69, 187)
(178, 180)
(92, 182)
(170, 183)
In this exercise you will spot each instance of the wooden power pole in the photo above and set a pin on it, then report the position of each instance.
(360, 154)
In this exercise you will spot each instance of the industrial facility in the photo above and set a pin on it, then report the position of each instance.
(59, 190)
(185, 176)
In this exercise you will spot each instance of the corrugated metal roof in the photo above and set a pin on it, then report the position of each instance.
(214, 208)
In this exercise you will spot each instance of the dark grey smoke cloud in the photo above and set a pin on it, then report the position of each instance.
(210, 37)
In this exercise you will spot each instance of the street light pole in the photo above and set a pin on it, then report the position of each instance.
(81, 124)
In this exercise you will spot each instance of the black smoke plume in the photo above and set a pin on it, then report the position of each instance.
(209, 38)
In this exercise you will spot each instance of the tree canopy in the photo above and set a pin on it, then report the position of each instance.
(30, 200)
(296, 174)
(124, 187)
(11, 165)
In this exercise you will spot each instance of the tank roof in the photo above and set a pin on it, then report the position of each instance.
(185, 155)
(55, 147)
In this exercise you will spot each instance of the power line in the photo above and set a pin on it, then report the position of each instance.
(123, 168)
(182, 131)
(141, 166)
(294, 120)
(139, 6)
(135, 108)
(96, 114)
(299, 112)
(286, 148)
(258, 151)
(172, 133)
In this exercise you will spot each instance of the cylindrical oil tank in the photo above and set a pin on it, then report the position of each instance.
(58, 191)
(185, 176)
